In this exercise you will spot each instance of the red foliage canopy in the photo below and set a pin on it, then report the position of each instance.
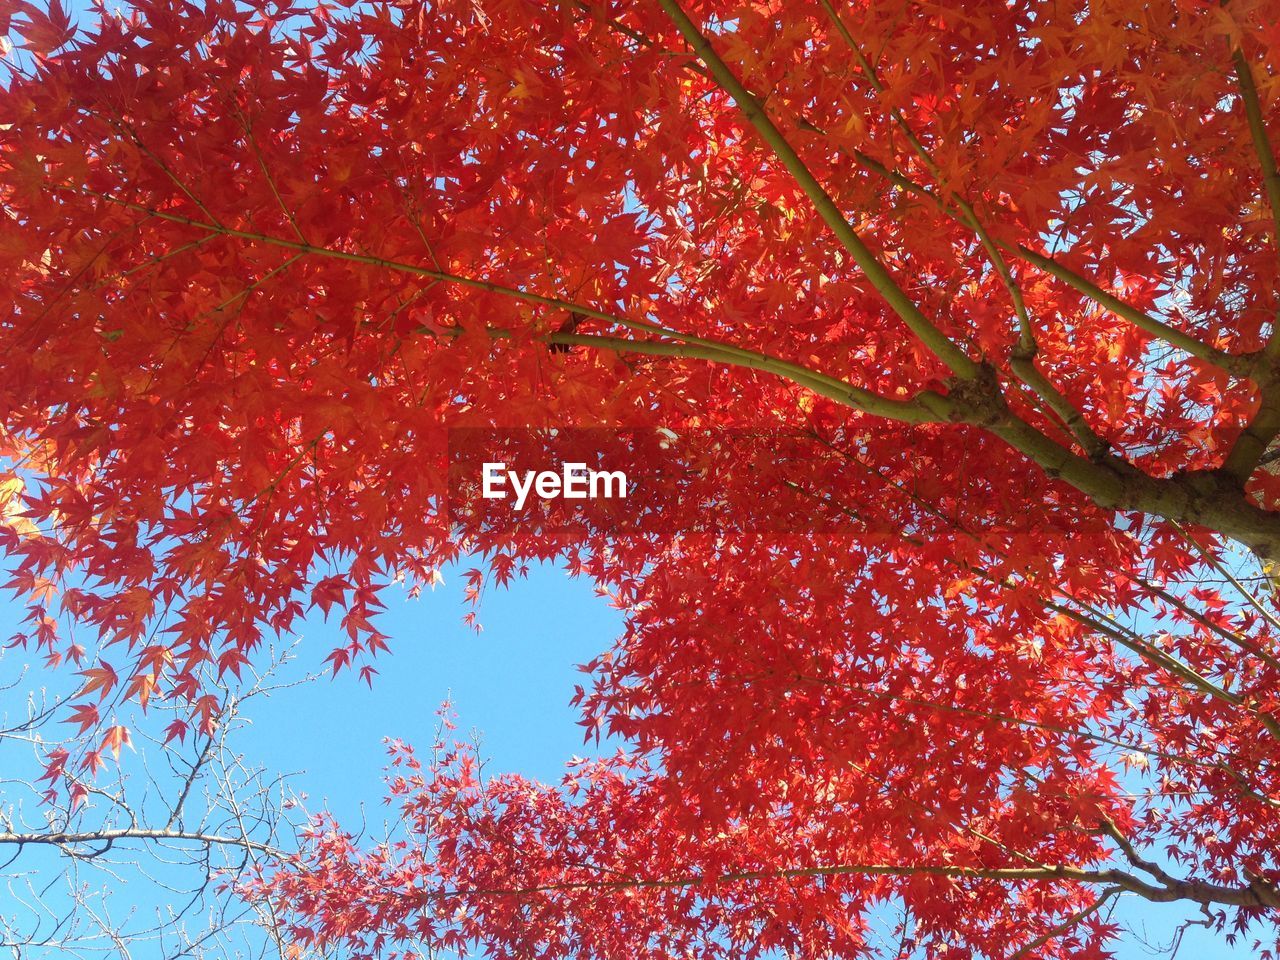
(1014, 264)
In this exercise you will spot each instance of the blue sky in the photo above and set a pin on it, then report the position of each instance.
(510, 683)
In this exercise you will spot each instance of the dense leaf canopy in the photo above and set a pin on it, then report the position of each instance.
(1014, 265)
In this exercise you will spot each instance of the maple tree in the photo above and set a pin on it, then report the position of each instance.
(1014, 265)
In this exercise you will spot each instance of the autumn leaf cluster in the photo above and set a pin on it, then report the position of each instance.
(1015, 265)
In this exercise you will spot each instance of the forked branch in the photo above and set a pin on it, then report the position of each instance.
(938, 343)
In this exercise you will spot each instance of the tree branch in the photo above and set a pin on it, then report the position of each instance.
(1262, 146)
(1264, 425)
(68, 838)
(1065, 926)
(1254, 895)
(1236, 364)
(937, 342)
(1108, 627)
(927, 407)
(1022, 361)
(1235, 639)
(1239, 365)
